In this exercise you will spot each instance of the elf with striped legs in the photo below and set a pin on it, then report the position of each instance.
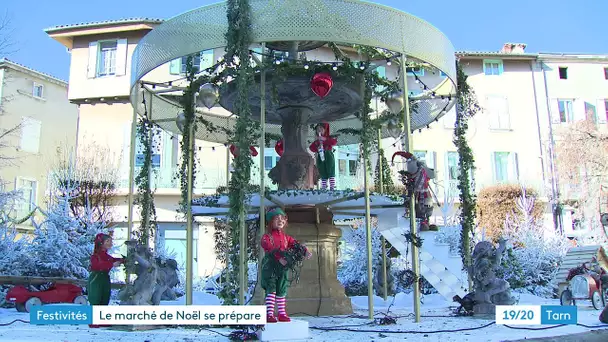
(278, 259)
(323, 146)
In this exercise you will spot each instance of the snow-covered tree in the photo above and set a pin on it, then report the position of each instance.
(536, 252)
(63, 243)
(352, 269)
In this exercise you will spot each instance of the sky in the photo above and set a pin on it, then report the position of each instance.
(561, 26)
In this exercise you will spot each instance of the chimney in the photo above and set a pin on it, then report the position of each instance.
(512, 48)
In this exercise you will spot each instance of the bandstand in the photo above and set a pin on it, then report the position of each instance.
(288, 43)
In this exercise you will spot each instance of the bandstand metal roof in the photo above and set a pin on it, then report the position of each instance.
(344, 22)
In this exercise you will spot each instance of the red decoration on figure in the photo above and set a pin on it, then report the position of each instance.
(321, 84)
(278, 148)
(234, 150)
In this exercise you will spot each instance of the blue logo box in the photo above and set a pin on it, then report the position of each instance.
(61, 314)
(557, 314)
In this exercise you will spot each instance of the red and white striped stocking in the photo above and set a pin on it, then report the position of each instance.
(332, 183)
(270, 298)
(281, 306)
(323, 183)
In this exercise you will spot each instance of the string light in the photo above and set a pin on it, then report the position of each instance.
(306, 67)
(388, 62)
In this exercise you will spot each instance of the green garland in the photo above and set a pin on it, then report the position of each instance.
(466, 108)
(145, 194)
(238, 40)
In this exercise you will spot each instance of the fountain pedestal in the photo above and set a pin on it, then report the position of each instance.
(318, 293)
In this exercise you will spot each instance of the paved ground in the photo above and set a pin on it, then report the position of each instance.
(592, 336)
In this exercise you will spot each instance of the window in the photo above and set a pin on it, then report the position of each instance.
(157, 147)
(418, 71)
(505, 168)
(342, 167)
(28, 189)
(352, 167)
(270, 162)
(590, 112)
(30, 135)
(606, 108)
(492, 67)
(38, 90)
(563, 73)
(443, 74)
(606, 73)
(452, 164)
(498, 111)
(566, 114)
(200, 61)
(106, 58)
(420, 155)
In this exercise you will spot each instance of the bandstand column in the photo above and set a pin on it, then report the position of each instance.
(409, 147)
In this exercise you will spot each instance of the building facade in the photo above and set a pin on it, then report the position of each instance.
(35, 108)
(509, 136)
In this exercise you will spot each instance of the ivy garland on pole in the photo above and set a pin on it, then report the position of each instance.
(466, 107)
(145, 194)
(238, 40)
(187, 102)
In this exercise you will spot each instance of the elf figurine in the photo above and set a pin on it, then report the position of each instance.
(99, 284)
(280, 251)
(323, 147)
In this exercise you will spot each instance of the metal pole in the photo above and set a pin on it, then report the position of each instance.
(368, 230)
(381, 190)
(131, 174)
(409, 143)
(189, 218)
(262, 164)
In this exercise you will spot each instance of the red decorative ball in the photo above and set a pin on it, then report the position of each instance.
(321, 84)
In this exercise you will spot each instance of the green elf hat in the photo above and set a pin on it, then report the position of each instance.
(274, 212)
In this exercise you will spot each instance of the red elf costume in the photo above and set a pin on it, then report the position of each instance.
(323, 146)
(274, 265)
(99, 284)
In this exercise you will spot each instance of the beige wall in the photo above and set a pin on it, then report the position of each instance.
(58, 121)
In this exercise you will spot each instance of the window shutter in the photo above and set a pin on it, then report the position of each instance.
(513, 167)
(601, 111)
(92, 67)
(505, 117)
(175, 66)
(121, 57)
(30, 135)
(554, 111)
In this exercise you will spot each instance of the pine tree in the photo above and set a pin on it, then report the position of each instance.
(387, 178)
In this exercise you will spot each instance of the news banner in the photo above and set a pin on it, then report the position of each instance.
(248, 315)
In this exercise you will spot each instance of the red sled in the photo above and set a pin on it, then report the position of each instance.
(25, 299)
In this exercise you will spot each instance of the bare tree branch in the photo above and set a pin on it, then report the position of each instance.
(6, 136)
(8, 46)
(583, 167)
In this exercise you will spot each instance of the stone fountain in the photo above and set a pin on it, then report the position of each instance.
(293, 105)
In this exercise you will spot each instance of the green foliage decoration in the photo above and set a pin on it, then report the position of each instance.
(466, 107)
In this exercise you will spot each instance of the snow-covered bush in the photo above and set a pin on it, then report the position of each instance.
(352, 263)
(536, 253)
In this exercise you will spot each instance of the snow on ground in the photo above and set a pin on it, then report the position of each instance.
(434, 309)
